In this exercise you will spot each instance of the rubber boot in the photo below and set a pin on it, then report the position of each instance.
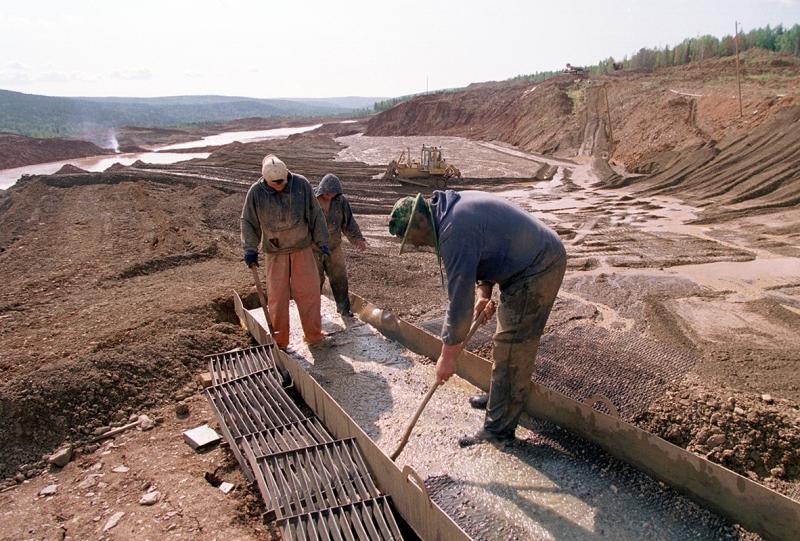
(479, 401)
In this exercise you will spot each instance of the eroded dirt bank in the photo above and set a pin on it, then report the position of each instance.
(117, 283)
(18, 150)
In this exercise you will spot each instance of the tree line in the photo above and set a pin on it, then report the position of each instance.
(776, 39)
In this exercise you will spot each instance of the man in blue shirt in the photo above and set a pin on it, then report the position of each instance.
(484, 240)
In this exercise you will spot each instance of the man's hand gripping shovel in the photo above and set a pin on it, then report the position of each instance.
(480, 320)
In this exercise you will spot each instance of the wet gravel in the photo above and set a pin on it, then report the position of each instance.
(548, 485)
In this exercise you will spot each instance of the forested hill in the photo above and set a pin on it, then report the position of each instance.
(49, 116)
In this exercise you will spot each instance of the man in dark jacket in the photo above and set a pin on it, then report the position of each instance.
(281, 213)
(485, 240)
(340, 220)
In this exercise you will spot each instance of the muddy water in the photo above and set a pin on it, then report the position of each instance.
(535, 489)
(240, 136)
(158, 155)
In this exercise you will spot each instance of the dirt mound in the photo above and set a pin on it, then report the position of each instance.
(112, 293)
(116, 167)
(18, 150)
(749, 434)
(342, 129)
(756, 172)
(68, 169)
(669, 109)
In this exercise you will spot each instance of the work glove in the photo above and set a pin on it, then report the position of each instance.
(325, 249)
(251, 258)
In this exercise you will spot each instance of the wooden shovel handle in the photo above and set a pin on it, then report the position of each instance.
(262, 297)
(407, 434)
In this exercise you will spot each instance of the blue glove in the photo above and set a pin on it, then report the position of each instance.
(251, 258)
(325, 249)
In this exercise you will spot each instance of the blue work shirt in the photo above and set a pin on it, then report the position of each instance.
(485, 238)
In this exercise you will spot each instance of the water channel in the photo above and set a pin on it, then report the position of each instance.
(158, 155)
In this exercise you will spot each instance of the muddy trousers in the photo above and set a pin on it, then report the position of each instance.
(521, 317)
(294, 276)
(334, 267)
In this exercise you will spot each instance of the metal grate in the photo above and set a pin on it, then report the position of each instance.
(313, 478)
(366, 520)
(235, 364)
(318, 487)
(253, 403)
(305, 433)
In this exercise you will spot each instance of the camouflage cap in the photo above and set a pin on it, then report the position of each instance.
(400, 216)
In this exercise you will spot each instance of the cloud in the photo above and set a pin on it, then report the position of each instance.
(55, 77)
(141, 74)
(11, 77)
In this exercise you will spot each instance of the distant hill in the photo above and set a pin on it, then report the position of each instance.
(50, 116)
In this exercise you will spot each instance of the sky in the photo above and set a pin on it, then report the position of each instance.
(296, 48)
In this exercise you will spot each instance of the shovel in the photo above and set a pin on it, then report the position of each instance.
(262, 297)
(482, 317)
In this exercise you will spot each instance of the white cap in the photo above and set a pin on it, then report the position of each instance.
(273, 168)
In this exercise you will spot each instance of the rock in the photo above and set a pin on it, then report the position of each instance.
(61, 457)
(767, 398)
(715, 440)
(777, 472)
(146, 423)
(49, 490)
(150, 498)
(201, 437)
(121, 469)
(226, 487)
(133, 418)
(114, 520)
(19, 477)
(727, 454)
(89, 482)
(738, 411)
(731, 403)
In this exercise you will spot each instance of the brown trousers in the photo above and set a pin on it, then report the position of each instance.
(521, 318)
(294, 276)
(334, 266)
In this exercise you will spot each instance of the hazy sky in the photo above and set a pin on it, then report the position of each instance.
(334, 48)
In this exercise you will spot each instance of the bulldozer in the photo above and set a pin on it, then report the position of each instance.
(431, 171)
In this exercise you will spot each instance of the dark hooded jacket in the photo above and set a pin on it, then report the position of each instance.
(339, 217)
(285, 221)
(485, 238)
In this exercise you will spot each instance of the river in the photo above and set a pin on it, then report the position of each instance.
(159, 155)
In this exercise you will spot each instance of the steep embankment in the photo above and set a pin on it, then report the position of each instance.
(671, 122)
(18, 150)
(536, 116)
(754, 172)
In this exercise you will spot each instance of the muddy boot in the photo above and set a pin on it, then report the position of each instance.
(479, 401)
(482, 436)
